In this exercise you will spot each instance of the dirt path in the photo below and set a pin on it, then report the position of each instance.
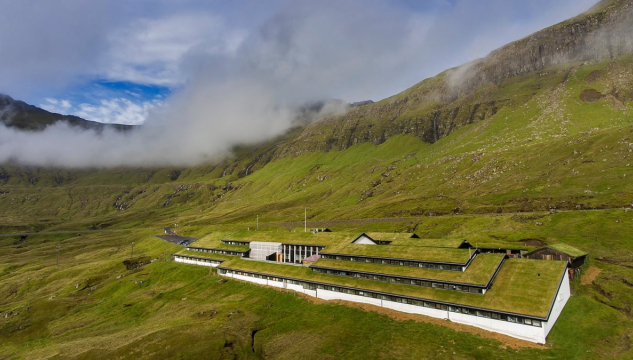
(590, 275)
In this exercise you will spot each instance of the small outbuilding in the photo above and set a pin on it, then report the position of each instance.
(575, 257)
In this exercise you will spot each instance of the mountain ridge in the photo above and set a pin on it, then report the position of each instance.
(20, 115)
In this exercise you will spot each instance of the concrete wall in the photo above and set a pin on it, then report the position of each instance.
(520, 331)
(334, 295)
(415, 309)
(194, 261)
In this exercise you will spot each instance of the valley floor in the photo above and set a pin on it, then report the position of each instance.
(91, 306)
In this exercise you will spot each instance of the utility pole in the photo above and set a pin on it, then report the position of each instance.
(58, 246)
(132, 255)
(305, 220)
(257, 228)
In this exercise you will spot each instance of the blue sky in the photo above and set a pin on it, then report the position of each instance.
(120, 102)
(121, 61)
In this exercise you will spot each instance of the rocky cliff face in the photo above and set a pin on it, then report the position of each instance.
(606, 31)
(435, 107)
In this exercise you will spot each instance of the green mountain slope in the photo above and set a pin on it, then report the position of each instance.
(551, 130)
(538, 152)
(559, 147)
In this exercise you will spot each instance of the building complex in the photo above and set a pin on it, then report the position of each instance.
(495, 289)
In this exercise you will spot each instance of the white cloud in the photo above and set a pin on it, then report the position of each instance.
(240, 89)
(149, 51)
(108, 111)
(56, 106)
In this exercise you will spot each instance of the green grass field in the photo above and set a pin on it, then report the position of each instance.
(540, 163)
(81, 309)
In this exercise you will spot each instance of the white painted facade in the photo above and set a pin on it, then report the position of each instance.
(563, 295)
(196, 261)
(521, 331)
(363, 240)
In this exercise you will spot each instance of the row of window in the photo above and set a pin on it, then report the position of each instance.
(435, 285)
(211, 261)
(393, 262)
(216, 251)
(427, 304)
(258, 276)
(233, 242)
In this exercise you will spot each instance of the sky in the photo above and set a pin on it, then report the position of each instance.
(220, 72)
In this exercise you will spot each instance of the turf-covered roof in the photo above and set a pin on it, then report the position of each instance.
(478, 272)
(522, 286)
(218, 244)
(459, 256)
(568, 249)
(385, 236)
(285, 237)
(449, 243)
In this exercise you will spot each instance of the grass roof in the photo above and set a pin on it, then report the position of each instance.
(286, 237)
(218, 244)
(568, 249)
(389, 236)
(491, 244)
(518, 287)
(449, 243)
(478, 272)
(459, 256)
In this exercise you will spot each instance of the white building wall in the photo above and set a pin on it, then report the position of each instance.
(364, 240)
(194, 262)
(520, 331)
(415, 309)
(279, 284)
(564, 293)
(335, 295)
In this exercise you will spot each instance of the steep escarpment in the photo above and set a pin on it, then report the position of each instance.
(473, 92)
(603, 32)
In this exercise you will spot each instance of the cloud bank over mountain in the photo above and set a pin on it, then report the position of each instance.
(237, 75)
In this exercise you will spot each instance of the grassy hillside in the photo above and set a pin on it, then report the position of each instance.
(543, 156)
(91, 306)
(564, 142)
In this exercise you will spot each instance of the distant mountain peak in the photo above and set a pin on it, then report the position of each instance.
(20, 115)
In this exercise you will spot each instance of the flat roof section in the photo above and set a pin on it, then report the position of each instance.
(479, 272)
(444, 255)
(285, 237)
(218, 244)
(522, 286)
(568, 249)
(386, 236)
(442, 243)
